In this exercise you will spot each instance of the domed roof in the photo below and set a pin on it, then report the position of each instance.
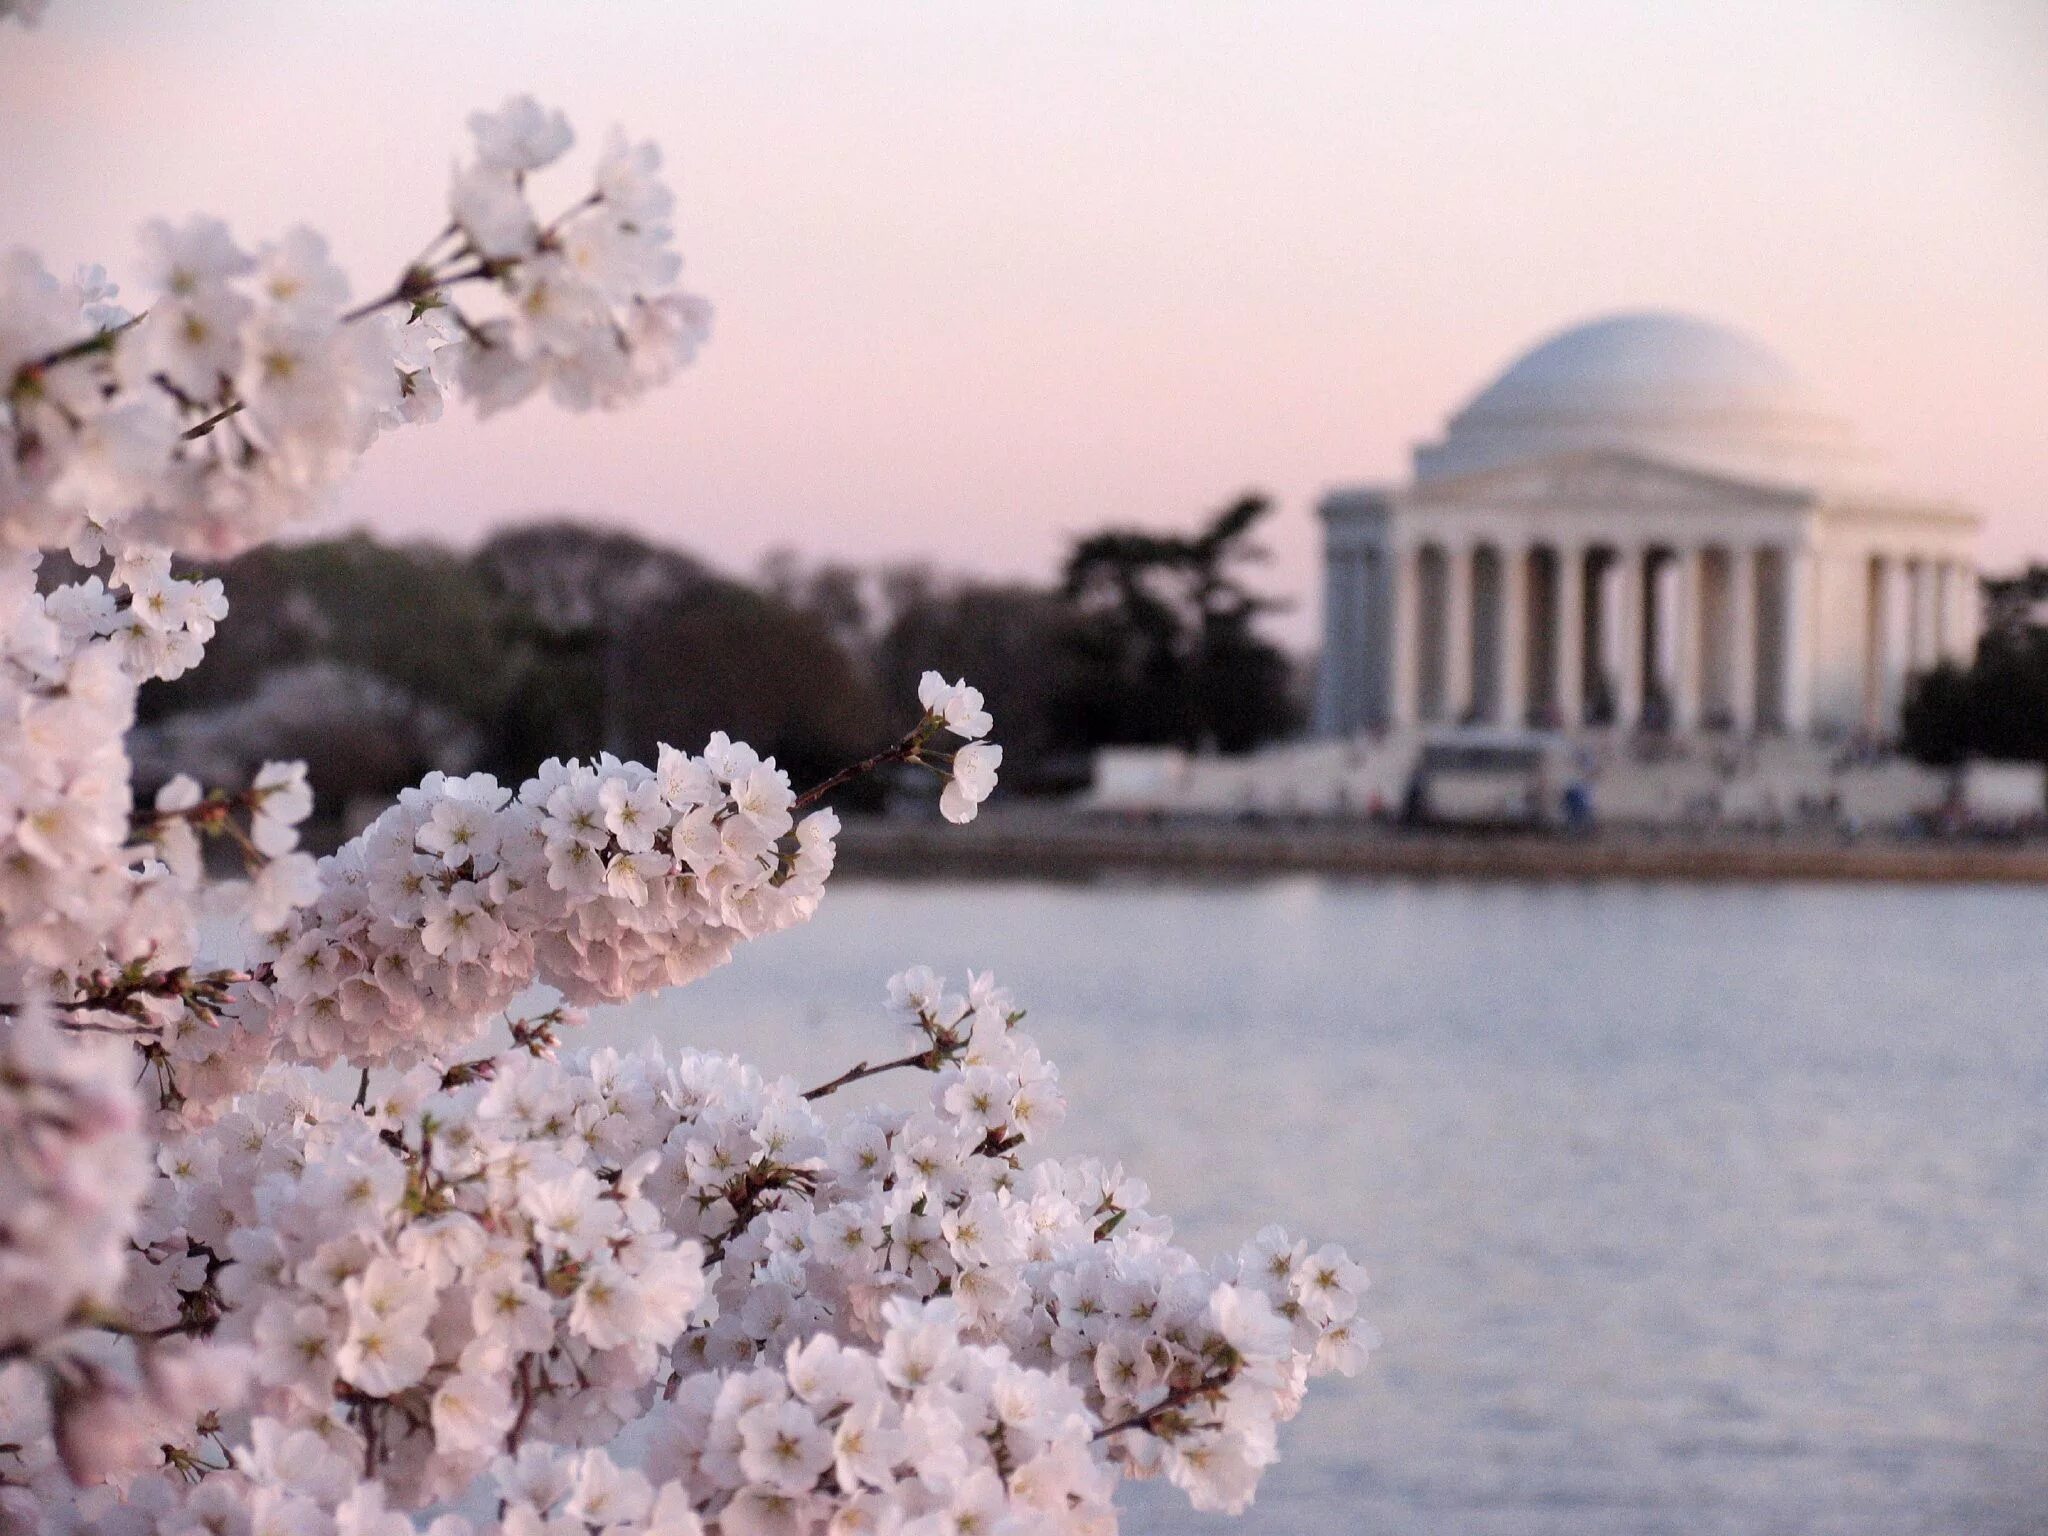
(1671, 387)
(1616, 362)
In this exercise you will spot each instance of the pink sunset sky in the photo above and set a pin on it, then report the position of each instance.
(986, 276)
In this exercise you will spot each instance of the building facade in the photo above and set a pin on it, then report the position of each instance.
(1644, 523)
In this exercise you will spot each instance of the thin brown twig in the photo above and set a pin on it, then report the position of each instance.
(200, 429)
(98, 341)
(415, 282)
(524, 1382)
(119, 995)
(420, 281)
(928, 1058)
(903, 750)
(1174, 1400)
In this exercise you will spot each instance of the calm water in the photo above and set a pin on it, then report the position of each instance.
(1688, 1209)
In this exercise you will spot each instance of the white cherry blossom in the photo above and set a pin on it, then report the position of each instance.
(973, 780)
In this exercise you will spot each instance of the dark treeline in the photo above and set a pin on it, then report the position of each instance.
(377, 662)
(1997, 706)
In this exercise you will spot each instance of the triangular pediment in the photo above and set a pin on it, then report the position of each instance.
(1602, 478)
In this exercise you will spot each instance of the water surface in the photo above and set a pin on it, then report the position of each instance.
(1689, 1209)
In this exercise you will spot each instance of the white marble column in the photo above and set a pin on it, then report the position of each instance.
(1357, 660)
(1404, 635)
(1936, 575)
(1742, 639)
(1877, 634)
(1686, 612)
(1959, 612)
(1930, 601)
(1337, 642)
(1895, 656)
(1795, 678)
(1433, 663)
(1907, 584)
(1457, 632)
(1511, 637)
(1944, 610)
(1569, 654)
(1628, 637)
(1370, 710)
(1923, 643)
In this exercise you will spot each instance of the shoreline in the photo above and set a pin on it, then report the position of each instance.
(1032, 843)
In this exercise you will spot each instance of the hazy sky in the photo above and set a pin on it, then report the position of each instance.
(986, 275)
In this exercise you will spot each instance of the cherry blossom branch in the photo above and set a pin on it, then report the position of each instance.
(524, 1384)
(416, 284)
(535, 1036)
(94, 1321)
(930, 1060)
(747, 1195)
(200, 429)
(419, 285)
(30, 372)
(904, 750)
(946, 1046)
(205, 815)
(204, 992)
(572, 1255)
(420, 282)
(1170, 1404)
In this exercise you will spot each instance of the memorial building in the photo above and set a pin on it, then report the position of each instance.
(1645, 523)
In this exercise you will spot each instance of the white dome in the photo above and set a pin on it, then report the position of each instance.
(1662, 386)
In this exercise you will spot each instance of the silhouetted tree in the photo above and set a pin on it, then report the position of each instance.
(724, 657)
(1937, 719)
(834, 593)
(1997, 707)
(1165, 649)
(569, 576)
(570, 590)
(415, 615)
(2014, 604)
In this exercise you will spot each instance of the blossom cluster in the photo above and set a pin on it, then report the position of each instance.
(894, 1319)
(198, 426)
(423, 1282)
(971, 771)
(70, 663)
(82, 1391)
(72, 1160)
(649, 1293)
(604, 880)
(222, 411)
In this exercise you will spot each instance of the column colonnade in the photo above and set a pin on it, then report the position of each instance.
(1436, 627)
(1918, 613)
(1603, 632)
